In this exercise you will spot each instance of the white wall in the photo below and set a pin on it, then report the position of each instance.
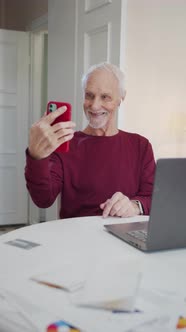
(155, 45)
(155, 104)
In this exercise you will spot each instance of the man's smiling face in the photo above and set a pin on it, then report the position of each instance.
(102, 99)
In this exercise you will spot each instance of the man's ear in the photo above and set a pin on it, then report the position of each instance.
(122, 98)
(124, 95)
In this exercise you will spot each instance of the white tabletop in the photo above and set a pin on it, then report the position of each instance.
(82, 242)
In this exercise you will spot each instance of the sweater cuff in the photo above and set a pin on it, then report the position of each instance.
(37, 167)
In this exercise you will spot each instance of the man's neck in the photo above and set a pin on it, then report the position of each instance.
(100, 131)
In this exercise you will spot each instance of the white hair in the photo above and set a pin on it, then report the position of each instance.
(112, 69)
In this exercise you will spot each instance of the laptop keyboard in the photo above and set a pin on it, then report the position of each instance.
(140, 235)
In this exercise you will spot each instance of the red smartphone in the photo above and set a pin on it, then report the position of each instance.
(52, 106)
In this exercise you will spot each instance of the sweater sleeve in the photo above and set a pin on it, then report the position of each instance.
(148, 165)
(43, 179)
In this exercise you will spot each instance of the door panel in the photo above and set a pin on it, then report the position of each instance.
(96, 39)
(14, 68)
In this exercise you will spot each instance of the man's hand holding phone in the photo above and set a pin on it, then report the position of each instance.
(46, 135)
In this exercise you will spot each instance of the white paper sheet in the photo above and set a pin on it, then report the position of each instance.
(110, 286)
(64, 277)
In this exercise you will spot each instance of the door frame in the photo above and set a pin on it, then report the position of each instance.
(37, 29)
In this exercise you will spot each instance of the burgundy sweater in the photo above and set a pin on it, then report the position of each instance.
(91, 172)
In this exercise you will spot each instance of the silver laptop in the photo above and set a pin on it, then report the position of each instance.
(166, 228)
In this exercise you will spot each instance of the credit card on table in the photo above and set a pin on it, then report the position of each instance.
(23, 244)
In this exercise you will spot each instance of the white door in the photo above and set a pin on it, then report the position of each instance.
(14, 83)
(100, 37)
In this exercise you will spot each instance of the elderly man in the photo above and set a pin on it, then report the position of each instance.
(106, 171)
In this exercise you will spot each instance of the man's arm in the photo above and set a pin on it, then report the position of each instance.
(42, 184)
(148, 165)
(123, 206)
(43, 171)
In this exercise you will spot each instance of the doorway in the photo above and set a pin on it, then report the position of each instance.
(23, 29)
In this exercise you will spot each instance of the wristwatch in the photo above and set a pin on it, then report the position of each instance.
(140, 206)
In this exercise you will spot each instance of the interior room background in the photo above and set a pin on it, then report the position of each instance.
(153, 58)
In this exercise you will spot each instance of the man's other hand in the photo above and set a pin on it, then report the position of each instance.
(119, 205)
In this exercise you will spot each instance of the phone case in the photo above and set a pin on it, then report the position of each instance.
(52, 106)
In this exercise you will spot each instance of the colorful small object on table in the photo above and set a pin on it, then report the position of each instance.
(62, 326)
(181, 323)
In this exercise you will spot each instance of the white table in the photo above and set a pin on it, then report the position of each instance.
(82, 242)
